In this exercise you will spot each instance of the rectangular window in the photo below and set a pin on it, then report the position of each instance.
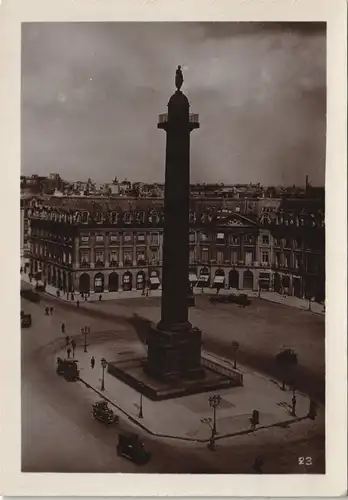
(205, 255)
(265, 257)
(220, 236)
(114, 238)
(154, 257)
(141, 238)
(99, 238)
(234, 240)
(286, 260)
(265, 239)
(234, 257)
(141, 260)
(248, 258)
(192, 238)
(127, 237)
(128, 257)
(220, 257)
(203, 237)
(99, 258)
(192, 256)
(277, 259)
(84, 258)
(113, 256)
(84, 240)
(154, 239)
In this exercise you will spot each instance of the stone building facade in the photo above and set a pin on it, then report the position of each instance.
(110, 245)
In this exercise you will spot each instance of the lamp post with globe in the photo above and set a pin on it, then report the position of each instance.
(104, 364)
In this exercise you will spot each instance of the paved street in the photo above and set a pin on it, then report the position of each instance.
(262, 330)
(60, 435)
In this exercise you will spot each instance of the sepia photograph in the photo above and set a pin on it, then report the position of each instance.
(173, 247)
(178, 326)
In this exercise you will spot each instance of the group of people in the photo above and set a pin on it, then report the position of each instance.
(48, 311)
(71, 342)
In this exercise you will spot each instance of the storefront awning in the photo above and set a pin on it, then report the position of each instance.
(204, 278)
(193, 277)
(154, 280)
(219, 279)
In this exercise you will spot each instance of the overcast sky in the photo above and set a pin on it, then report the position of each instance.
(91, 93)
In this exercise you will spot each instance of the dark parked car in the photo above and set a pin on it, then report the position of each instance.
(103, 413)
(130, 446)
(68, 369)
(231, 298)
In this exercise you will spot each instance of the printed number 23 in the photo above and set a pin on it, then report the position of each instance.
(305, 460)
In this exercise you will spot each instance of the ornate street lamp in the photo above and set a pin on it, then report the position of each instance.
(214, 402)
(104, 364)
(85, 331)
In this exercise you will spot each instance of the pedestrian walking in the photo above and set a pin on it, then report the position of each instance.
(68, 352)
(51, 310)
(47, 311)
(63, 327)
(85, 298)
(92, 362)
(100, 297)
(147, 291)
(73, 345)
(72, 296)
(67, 339)
(77, 303)
(58, 294)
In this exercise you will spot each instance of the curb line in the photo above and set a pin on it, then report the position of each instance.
(168, 436)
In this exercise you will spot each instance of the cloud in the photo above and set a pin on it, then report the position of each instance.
(91, 93)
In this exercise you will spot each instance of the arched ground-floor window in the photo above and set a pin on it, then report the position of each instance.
(113, 282)
(204, 278)
(154, 280)
(248, 280)
(233, 279)
(99, 283)
(84, 283)
(219, 279)
(141, 280)
(127, 281)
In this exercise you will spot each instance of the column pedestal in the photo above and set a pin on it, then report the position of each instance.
(174, 355)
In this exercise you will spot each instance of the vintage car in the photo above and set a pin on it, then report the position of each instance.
(25, 320)
(231, 298)
(103, 413)
(68, 369)
(130, 446)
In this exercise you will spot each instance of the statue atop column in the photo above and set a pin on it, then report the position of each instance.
(179, 78)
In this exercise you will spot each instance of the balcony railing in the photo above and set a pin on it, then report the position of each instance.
(193, 118)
